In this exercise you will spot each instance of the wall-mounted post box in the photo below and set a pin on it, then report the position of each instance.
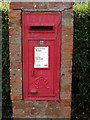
(41, 46)
(41, 55)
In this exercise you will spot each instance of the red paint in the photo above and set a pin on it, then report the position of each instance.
(41, 83)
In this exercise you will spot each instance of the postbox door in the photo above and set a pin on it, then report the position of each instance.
(42, 74)
(41, 65)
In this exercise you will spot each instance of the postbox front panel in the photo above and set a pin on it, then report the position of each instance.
(41, 56)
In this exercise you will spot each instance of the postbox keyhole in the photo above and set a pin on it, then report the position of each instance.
(33, 71)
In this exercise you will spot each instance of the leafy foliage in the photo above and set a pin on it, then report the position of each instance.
(82, 9)
(6, 102)
(81, 64)
(4, 6)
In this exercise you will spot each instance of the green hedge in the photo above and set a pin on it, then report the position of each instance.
(81, 63)
(6, 102)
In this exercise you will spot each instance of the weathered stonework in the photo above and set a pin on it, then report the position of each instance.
(40, 109)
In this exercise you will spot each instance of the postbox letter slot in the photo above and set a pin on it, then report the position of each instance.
(41, 28)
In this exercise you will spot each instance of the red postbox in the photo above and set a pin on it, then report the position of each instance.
(41, 55)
